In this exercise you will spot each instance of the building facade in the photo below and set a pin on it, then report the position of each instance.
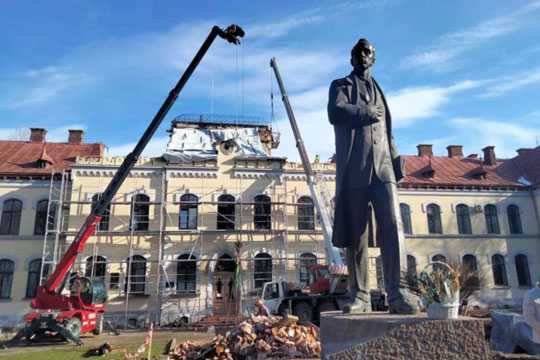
(185, 226)
(27, 170)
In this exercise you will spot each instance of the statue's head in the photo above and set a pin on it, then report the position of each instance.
(363, 55)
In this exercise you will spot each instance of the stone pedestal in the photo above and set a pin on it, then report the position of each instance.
(386, 336)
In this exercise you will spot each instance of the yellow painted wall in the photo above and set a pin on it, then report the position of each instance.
(22, 248)
(244, 182)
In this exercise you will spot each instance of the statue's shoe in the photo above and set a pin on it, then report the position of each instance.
(358, 306)
(405, 303)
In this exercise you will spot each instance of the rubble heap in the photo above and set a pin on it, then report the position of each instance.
(255, 338)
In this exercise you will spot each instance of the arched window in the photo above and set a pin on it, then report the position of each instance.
(522, 270)
(379, 270)
(226, 212)
(11, 217)
(463, 219)
(306, 214)
(492, 219)
(434, 219)
(263, 213)
(514, 219)
(262, 269)
(499, 270)
(96, 267)
(32, 282)
(136, 275)
(41, 217)
(440, 258)
(139, 212)
(226, 263)
(469, 262)
(406, 218)
(306, 259)
(189, 208)
(411, 270)
(6, 278)
(104, 223)
(186, 274)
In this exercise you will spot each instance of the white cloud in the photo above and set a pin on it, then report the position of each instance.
(156, 147)
(442, 55)
(39, 86)
(278, 29)
(309, 108)
(411, 104)
(513, 82)
(506, 136)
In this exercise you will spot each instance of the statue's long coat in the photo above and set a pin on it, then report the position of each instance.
(348, 115)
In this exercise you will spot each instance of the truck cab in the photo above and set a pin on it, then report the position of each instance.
(273, 294)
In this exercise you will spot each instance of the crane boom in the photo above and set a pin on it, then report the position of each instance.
(54, 281)
(333, 254)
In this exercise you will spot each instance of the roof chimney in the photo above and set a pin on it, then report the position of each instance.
(75, 136)
(455, 151)
(523, 151)
(425, 149)
(489, 155)
(37, 134)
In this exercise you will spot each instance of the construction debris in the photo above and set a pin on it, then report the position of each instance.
(102, 350)
(258, 337)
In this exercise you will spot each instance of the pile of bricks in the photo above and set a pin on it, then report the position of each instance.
(256, 338)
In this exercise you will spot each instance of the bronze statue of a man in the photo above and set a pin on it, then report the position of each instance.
(368, 169)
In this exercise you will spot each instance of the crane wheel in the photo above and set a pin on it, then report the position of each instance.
(99, 324)
(304, 312)
(73, 326)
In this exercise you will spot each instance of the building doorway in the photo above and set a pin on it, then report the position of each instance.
(225, 295)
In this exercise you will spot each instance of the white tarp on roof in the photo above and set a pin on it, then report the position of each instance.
(195, 144)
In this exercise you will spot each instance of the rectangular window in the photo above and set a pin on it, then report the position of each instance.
(114, 281)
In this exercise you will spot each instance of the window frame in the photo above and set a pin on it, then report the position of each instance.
(41, 221)
(140, 213)
(463, 218)
(7, 272)
(405, 212)
(504, 273)
(434, 221)
(104, 223)
(523, 272)
(186, 274)
(10, 219)
(305, 260)
(137, 287)
(226, 212)
(263, 269)
(515, 225)
(262, 212)
(188, 210)
(305, 210)
(491, 217)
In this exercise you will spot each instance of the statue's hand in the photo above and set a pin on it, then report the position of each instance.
(375, 112)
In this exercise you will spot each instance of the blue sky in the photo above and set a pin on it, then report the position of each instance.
(455, 72)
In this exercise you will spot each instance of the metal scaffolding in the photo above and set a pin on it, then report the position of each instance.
(138, 257)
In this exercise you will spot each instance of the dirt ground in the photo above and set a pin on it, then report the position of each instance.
(129, 340)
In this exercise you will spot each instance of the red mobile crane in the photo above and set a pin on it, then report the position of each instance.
(82, 310)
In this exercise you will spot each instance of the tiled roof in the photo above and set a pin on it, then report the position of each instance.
(470, 171)
(525, 165)
(21, 157)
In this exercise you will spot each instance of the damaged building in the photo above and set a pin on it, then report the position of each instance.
(218, 208)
